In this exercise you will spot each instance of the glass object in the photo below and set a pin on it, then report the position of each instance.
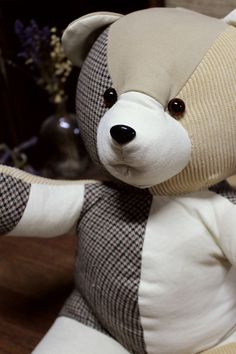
(64, 154)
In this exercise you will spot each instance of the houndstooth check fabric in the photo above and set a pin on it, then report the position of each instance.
(225, 190)
(94, 79)
(76, 304)
(14, 196)
(108, 266)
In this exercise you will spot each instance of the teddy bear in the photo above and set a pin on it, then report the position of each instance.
(156, 251)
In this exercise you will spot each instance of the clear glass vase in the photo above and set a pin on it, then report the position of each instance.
(64, 154)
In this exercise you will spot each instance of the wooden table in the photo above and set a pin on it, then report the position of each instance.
(36, 276)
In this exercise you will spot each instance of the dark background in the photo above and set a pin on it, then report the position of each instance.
(23, 105)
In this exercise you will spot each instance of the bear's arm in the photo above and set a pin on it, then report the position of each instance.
(35, 206)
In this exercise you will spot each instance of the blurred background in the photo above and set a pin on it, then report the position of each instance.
(37, 83)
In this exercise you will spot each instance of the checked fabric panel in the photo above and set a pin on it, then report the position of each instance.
(14, 195)
(77, 305)
(225, 190)
(93, 81)
(108, 267)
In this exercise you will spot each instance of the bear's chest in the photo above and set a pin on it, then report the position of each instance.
(141, 257)
(111, 233)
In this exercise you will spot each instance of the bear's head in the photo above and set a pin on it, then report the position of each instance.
(156, 96)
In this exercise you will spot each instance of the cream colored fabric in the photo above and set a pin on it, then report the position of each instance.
(215, 8)
(227, 349)
(80, 35)
(155, 51)
(53, 206)
(187, 286)
(68, 336)
(210, 119)
(230, 18)
(52, 210)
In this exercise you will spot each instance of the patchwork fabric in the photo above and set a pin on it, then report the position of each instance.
(94, 79)
(76, 304)
(207, 103)
(14, 195)
(108, 267)
(225, 190)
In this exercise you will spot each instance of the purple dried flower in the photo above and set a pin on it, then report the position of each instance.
(42, 52)
(34, 25)
(18, 27)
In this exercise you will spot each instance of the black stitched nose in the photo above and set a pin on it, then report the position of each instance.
(122, 134)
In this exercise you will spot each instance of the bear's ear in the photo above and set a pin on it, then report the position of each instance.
(80, 35)
(231, 18)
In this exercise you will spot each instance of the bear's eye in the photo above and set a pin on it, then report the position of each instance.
(110, 97)
(176, 107)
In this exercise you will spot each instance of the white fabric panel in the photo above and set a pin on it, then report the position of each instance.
(231, 18)
(68, 336)
(160, 150)
(230, 339)
(187, 289)
(52, 210)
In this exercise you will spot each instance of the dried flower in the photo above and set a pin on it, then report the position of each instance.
(42, 52)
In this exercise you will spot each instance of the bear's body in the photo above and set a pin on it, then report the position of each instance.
(164, 277)
(167, 261)
(112, 228)
(156, 253)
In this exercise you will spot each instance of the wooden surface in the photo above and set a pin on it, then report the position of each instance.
(36, 276)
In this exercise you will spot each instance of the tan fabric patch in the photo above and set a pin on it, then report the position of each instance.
(155, 51)
(215, 8)
(226, 349)
(32, 179)
(210, 120)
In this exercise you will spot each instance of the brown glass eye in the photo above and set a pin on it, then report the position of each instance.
(176, 107)
(110, 97)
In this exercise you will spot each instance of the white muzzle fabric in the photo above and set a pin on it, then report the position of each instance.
(160, 149)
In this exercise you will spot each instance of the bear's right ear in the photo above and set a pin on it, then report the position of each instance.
(80, 35)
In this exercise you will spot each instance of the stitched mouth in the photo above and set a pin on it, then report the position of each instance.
(128, 174)
(133, 162)
(122, 169)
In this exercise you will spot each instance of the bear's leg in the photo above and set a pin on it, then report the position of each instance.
(68, 336)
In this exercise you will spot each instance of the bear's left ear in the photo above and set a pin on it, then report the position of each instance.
(80, 35)
(231, 18)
